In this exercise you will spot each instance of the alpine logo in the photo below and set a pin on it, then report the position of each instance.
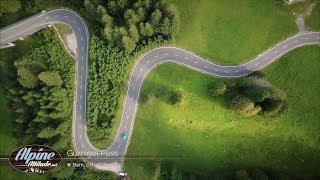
(35, 158)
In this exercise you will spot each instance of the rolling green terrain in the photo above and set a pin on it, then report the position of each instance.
(313, 21)
(201, 135)
(216, 138)
(233, 31)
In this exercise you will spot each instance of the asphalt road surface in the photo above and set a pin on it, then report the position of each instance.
(112, 157)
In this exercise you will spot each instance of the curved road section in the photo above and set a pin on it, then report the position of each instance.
(112, 157)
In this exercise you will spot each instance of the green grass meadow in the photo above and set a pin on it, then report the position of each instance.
(218, 139)
(313, 21)
(231, 32)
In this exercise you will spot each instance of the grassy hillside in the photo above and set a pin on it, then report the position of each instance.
(234, 31)
(217, 138)
(313, 21)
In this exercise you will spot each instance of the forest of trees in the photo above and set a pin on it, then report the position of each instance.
(11, 6)
(40, 92)
(250, 99)
(119, 29)
(42, 95)
(108, 66)
(39, 82)
(128, 24)
(167, 170)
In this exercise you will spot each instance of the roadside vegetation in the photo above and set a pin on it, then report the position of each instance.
(312, 21)
(205, 137)
(121, 29)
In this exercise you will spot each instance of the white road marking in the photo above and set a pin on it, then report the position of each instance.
(266, 58)
(176, 54)
(129, 108)
(147, 61)
(275, 52)
(186, 58)
(196, 62)
(165, 54)
(307, 38)
(128, 117)
(285, 46)
(140, 70)
(295, 41)
(256, 64)
(206, 66)
(81, 77)
(156, 56)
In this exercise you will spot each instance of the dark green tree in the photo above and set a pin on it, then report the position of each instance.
(9, 6)
(26, 78)
(128, 43)
(50, 78)
(134, 33)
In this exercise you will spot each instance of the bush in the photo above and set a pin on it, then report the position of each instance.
(217, 88)
(258, 174)
(242, 175)
(175, 98)
(241, 103)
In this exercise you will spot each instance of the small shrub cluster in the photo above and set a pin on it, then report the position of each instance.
(171, 96)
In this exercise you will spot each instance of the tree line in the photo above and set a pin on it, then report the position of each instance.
(168, 170)
(41, 94)
(130, 24)
(248, 98)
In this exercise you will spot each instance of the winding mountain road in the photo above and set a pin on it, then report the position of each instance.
(112, 157)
